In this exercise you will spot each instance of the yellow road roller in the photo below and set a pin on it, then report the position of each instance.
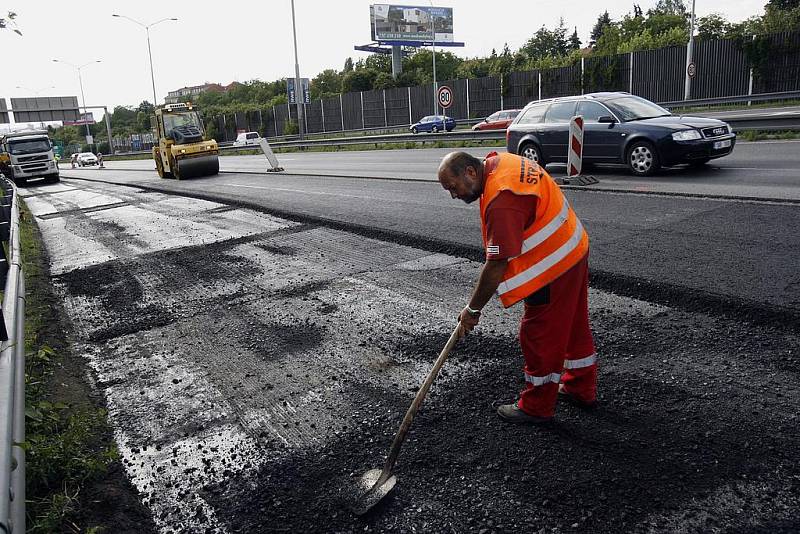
(182, 151)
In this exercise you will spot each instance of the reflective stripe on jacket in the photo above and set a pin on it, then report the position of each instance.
(555, 242)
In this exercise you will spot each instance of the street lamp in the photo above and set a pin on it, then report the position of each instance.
(34, 91)
(80, 80)
(149, 51)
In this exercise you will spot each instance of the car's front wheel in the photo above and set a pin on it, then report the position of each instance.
(531, 151)
(414, 130)
(643, 158)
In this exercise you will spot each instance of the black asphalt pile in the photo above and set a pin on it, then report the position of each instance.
(697, 432)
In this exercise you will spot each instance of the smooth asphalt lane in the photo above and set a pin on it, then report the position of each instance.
(741, 251)
(764, 169)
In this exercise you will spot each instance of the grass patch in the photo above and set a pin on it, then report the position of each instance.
(761, 135)
(68, 443)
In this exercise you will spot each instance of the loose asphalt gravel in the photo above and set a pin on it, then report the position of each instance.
(254, 366)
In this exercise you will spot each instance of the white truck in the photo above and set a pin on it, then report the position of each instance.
(28, 154)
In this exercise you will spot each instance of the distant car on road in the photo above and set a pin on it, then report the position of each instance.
(86, 158)
(499, 120)
(618, 128)
(247, 139)
(433, 124)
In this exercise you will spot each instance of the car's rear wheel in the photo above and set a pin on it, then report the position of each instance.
(643, 158)
(531, 151)
(435, 129)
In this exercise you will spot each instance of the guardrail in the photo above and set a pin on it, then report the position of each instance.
(12, 369)
(762, 97)
(740, 120)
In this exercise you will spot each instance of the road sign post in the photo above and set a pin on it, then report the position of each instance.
(444, 97)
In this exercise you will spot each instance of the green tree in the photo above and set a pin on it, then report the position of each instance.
(325, 84)
(603, 22)
(574, 41)
(359, 80)
(348, 65)
(713, 26)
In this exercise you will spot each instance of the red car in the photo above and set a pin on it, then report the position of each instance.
(499, 120)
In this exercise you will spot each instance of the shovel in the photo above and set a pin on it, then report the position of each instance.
(376, 484)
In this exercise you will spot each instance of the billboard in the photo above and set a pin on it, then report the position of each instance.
(45, 109)
(291, 93)
(86, 118)
(411, 23)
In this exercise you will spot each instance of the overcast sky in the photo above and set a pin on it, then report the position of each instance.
(226, 41)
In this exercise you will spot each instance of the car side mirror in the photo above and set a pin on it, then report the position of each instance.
(606, 119)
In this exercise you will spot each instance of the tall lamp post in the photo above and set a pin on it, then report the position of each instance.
(687, 92)
(80, 81)
(149, 50)
(299, 94)
(433, 42)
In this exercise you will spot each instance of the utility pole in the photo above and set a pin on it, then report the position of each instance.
(433, 43)
(80, 81)
(687, 93)
(299, 94)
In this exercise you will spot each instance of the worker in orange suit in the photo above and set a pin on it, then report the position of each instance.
(536, 252)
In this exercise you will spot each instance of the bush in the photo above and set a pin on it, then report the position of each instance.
(290, 127)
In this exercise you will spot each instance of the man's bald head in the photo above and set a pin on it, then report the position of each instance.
(462, 175)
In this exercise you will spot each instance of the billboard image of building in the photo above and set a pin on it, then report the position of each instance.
(411, 23)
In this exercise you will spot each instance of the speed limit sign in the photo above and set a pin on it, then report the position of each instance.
(445, 96)
(691, 69)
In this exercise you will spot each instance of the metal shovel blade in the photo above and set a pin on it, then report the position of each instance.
(368, 493)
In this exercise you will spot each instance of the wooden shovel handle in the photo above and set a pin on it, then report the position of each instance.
(412, 410)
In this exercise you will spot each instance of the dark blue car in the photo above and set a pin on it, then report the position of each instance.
(434, 123)
(618, 128)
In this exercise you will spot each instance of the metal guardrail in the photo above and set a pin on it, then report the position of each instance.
(763, 97)
(12, 369)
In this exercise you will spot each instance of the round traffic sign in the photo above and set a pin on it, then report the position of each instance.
(691, 69)
(445, 96)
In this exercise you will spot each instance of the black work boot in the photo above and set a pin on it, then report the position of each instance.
(513, 414)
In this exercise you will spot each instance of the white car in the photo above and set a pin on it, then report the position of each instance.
(247, 138)
(86, 158)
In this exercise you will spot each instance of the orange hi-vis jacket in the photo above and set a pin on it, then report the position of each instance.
(555, 242)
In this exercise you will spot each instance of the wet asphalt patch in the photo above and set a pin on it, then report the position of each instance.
(249, 396)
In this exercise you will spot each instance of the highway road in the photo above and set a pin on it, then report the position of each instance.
(654, 246)
(764, 169)
(257, 339)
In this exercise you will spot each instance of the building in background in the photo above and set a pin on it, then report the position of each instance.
(179, 95)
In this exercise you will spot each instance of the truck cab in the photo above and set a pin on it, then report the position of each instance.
(26, 155)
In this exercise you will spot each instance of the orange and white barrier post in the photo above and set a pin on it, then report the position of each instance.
(575, 149)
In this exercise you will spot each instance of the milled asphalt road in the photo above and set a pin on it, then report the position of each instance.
(253, 366)
(666, 248)
(766, 169)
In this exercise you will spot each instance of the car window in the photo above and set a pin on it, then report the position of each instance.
(494, 117)
(513, 114)
(252, 135)
(591, 111)
(503, 116)
(560, 112)
(533, 115)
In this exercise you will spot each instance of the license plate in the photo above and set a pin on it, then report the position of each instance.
(722, 144)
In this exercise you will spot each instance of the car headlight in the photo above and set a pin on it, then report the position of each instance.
(686, 135)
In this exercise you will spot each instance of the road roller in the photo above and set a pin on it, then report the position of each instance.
(182, 150)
